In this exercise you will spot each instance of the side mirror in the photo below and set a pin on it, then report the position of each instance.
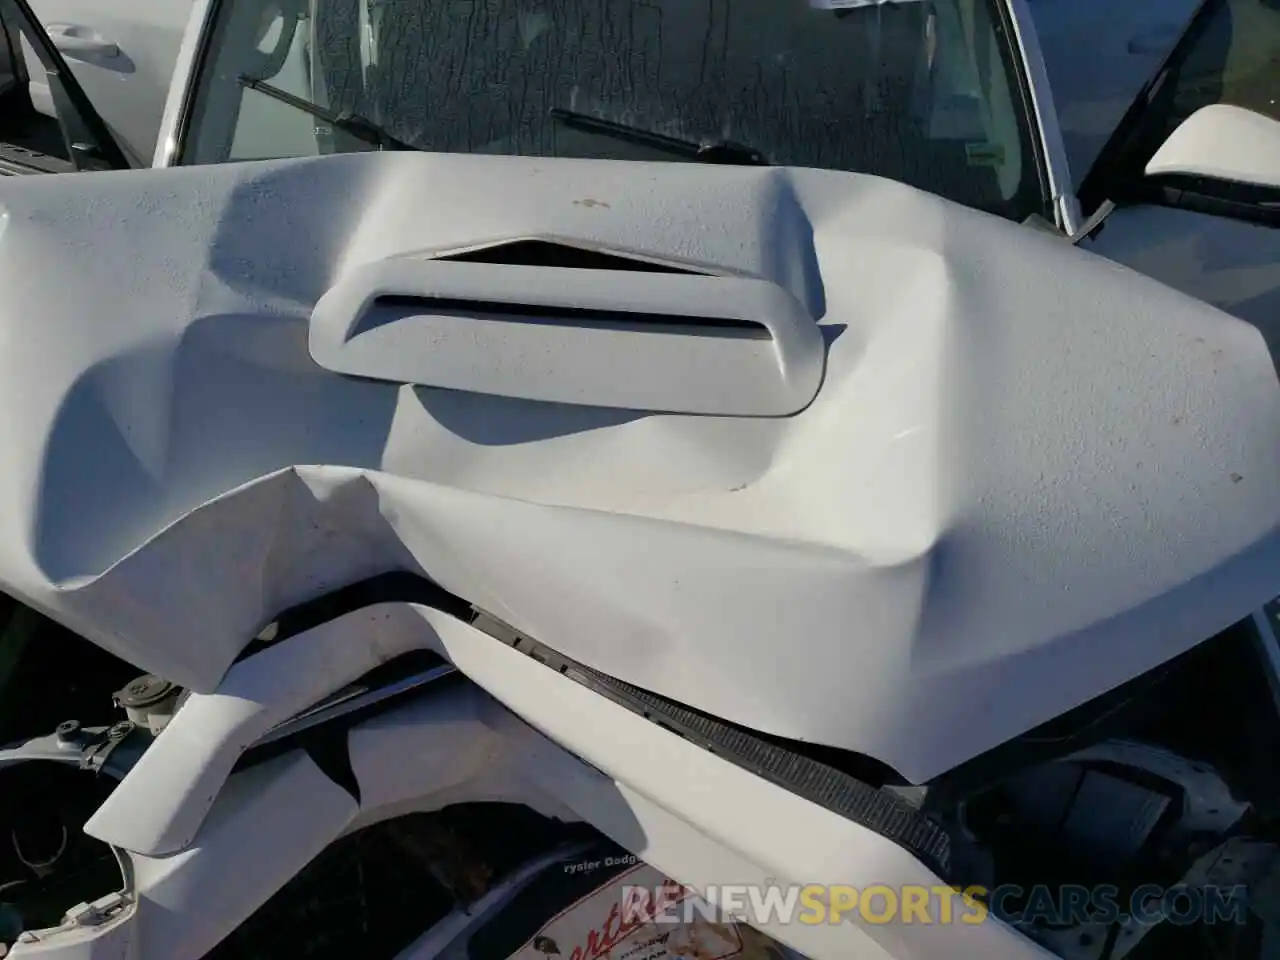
(1224, 143)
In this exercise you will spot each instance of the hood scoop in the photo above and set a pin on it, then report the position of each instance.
(558, 253)
(547, 322)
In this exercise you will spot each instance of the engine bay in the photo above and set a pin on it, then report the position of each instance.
(1143, 824)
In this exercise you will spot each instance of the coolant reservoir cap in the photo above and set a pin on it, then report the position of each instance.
(145, 692)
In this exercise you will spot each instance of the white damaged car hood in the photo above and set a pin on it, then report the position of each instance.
(1028, 476)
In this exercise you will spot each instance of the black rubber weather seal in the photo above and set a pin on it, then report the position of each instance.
(880, 811)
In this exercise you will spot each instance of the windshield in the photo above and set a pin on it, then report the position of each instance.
(920, 91)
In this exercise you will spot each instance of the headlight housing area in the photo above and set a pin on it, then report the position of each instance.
(1142, 824)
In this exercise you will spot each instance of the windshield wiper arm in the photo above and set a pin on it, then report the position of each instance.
(721, 151)
(350, 123)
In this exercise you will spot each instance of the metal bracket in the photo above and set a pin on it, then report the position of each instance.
(99, 912)
(1093, 223)
(95, 754)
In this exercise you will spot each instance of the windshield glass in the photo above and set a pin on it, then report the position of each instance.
(920, 91)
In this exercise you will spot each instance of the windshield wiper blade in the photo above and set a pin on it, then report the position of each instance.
(350, 123)
(720, 151)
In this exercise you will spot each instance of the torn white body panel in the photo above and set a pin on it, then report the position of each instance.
(195, 760)
(662, 798)
(1029, 474)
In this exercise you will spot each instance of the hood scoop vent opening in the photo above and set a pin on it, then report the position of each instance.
(388, 309)
(548, 253)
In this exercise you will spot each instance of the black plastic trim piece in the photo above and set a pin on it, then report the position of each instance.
(19, 161)
(89, 141)
(400, 586)
(1217, 198)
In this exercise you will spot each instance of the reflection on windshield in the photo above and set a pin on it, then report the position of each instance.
(921, 91)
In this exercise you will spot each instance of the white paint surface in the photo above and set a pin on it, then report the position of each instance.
(1029, 474)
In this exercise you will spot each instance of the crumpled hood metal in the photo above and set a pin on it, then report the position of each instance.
(1030, 474)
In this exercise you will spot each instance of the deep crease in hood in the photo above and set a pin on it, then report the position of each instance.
(1029, 475)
